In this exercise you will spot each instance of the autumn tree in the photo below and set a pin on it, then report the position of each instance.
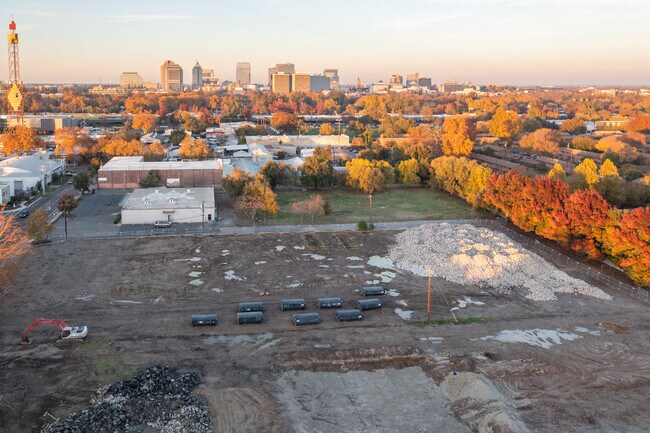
(369, 176)
(14, 246)
(318, 169)
(588, 170)
(542, 141)
(279, 174)
(313, 206)
(608, 169)
(286, 123)
(155, 151)
(640, 124)
(588, 215)
(505, 124)
(38, 226)
(627, 241)
(456, 137)
(257, 197)
(574, 126)
(557, 173)
(70, 141)
(193, 148)
(326, 129)
(20, 139)
(121, 147)
(583, 143)
(234, 183)
(409, 172)
(615, 145)
(81, 182)
(176, 137)
(463, 177)
(144, 121)
(67, 203)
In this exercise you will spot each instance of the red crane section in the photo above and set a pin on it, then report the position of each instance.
(49, 322)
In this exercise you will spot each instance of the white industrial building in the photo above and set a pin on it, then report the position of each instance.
(176, 205)
(22, 173)
(4, 194)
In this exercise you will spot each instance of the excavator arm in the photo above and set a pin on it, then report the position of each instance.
(24, 338)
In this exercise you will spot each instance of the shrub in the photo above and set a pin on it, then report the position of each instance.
(362, 226)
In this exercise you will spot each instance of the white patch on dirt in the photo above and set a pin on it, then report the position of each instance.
(294, 285)
(404, 314)
(122, 301)
(392, 292)
(315, 256)
(403, 303)
(367, 273)
(196, 282)
(217, 290)
(279, 248)
(386, 276)
(584, 330)
(198, 250)
(261, 262)
(372, 282)
(544, 338)
(230, 275)
(301, 247)
(84, 298)
(353, 258)
(195, 274)
(462, 303)
(434, 340)
(381, 262)
(323, 266)
(191, 259)
(356, 266)
(236, 340)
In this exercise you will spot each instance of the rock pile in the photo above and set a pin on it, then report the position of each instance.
(466, 254)
(155, 400)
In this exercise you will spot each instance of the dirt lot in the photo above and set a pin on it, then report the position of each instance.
(532, 366)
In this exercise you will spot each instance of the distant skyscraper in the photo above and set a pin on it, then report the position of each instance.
(281, 82)
(244, 73)
(197, 77)
(412, 79)
(318, 83)
(207, 73)
(300, 82)
(333, 75)
(171, 77)
(287, 68)
(131, 80)
(424, 82)
(396, 79)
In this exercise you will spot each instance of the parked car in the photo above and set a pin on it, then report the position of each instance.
(161, 224)
(24, 214)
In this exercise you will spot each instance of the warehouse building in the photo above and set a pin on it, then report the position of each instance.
(42, 124)
(175, 205)
(23, 173)
(128, 171)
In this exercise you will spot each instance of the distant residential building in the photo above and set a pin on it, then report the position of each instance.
(396, 79)
(244, 73)
(106, 90)
(300, 82)
(413, 79)
(171, 77)
(450, 87)
(319, 83)
(197, 77)
(131, 80)
(281, 82)
(333, 75)
(286, 68)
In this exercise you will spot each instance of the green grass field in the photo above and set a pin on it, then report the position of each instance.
(350, 206)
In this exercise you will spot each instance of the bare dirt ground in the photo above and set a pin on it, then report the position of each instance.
(574, 365)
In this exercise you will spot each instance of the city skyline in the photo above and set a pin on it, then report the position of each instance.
(509, 41)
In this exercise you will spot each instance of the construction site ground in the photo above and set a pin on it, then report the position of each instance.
(573, 365)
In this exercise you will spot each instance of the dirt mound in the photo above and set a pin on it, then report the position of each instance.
(156, 399)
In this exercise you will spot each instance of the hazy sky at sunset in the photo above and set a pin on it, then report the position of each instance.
(507, 41)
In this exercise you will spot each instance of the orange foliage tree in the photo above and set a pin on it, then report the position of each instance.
(20, 139)
(628, 242)
(457, 132)
(193, 148)
(144, 121)
(14, 245)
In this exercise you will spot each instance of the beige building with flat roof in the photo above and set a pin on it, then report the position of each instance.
(281, 83)
(171, 77)
(131, 80)
(300, 82)
(175, 205)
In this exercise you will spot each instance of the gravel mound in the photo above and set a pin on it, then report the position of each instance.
(465, 254)
(155, 400)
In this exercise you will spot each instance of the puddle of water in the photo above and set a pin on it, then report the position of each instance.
(381, 262)
(353, 258)
(392, 292)
(544, 338)
(299, 247)
(404, 314)
(584, 330)
(230, 275)
(386, 276)
(356, 266)
(279, 248)
(85, 298)
(462, 303)
(195, 274)
(315, 256)
(196, 282)
(191, 259)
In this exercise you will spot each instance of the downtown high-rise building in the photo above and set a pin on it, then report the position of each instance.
(300, 82)
(131, 80)
(197, 77)
(285, 68)
(243, 73)
(281, 82)
(333, 75)
(171, 77)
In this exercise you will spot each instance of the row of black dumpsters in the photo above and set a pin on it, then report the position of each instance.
(253, 312)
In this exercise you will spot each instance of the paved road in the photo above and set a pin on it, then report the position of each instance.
(48, 201)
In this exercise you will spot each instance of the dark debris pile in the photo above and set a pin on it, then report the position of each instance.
(155, 400)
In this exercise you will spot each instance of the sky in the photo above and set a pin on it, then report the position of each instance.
(544, 42)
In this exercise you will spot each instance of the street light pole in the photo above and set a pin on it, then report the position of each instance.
(429, 296)
(203, 215)
(370, 197)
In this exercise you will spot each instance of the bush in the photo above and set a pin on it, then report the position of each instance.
(362, 226)
(117, 219)
(371, 226)
(327, 208)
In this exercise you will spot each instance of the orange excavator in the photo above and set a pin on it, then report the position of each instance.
(67, 332)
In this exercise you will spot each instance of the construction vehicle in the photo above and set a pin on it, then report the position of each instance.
(67, 332)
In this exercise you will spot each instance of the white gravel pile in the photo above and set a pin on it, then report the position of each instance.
(465, 254)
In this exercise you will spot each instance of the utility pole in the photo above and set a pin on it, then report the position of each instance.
(370, 197)
(203, 215)
(429, 296)
(42, 170)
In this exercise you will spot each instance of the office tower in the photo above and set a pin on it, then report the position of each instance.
(207, 74)
(300, 82)
(412, 79)
(197, 77)
(319, 83)
(396, 79)
(131, 80)
(332, 74)
(243, 73)
(171, 77)
(424, 82)
(281, 82)
(286, 68)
